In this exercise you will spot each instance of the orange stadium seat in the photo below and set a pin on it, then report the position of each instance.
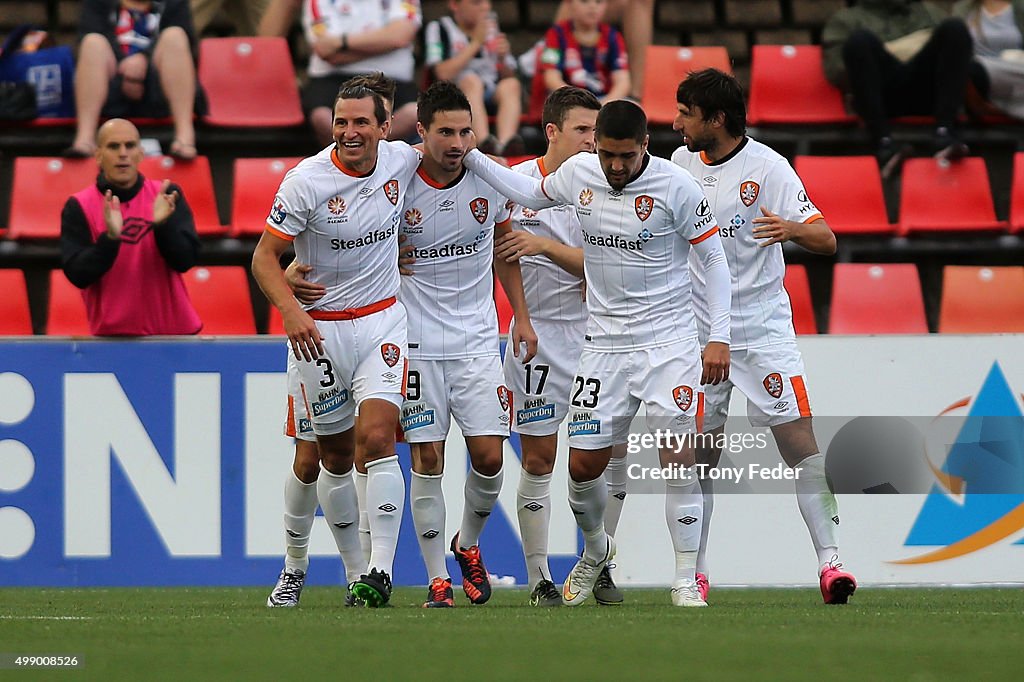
(666, 66)
(40, 188)
(848, 190)
(256, 182)
(249, 83)
(877, 299)
(982, 300)
(788, 86)
(66, 310)
(196, 182)
(799, 290)
(1017, 194)
(220, 295)
(15, 315)
(946, 198)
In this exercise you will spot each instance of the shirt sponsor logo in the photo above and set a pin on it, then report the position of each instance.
(644, 205)
(305, 426)
(480, 208)
(529, 213)
(447, 251)
(612, 241)
(373, 237)
(416, 417)
(710, 180)
(537, 410)
(277, 213)
(703, 212)
(583, 425)
(446, 206)
(748, 192)
(336, 205)
(329, 401)
(586, 196)
(413, 217)
(391, 191)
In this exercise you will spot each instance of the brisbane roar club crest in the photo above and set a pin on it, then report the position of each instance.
(586, 196)
(480, 209)
(748, 192)
(773, 384)
(391, 354)
(683, 395)
(504, 397)
(644, 205)
(391, 191)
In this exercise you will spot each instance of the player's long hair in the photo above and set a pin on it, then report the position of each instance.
(564, 99)
(715, 91)
(440, 96)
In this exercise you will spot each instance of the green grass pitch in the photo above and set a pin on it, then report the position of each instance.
(228, 634)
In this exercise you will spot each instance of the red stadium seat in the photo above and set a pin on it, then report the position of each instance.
(877, 299)
(946, 198)
(249, 83)
(848, 190)
(66, 311)
(799, 290)
(220, 295)
(275, 325)
(788, 86)
(256, 182)
(196, 182)
(1017, 194)
(15, 315)
(503, 306)
(666, 66)
(982, 300)
(41, 186)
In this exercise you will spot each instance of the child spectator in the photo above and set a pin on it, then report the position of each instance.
(586, 52)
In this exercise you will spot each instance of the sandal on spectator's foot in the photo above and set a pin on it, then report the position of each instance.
(183, 151)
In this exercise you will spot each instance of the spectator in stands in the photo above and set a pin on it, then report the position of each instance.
(245, 14)
(637, 20)
(469, 49)
(900, 57)
(355, 38)
(586, 52)
(997, 74)
(135, 59)
(125, 242)
(278, 18)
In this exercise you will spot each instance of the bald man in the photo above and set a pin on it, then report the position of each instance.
(125, 241)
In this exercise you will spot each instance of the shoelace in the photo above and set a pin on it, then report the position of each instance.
(474, 567)
(604, 578)
(289, 586)
(834, 563)
(439, 590)
(549, 591)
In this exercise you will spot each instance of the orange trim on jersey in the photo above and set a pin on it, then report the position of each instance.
(801, 395)
(816, 216)
(705, 159)
(289, 424)
(427, 179)
(544, 191)
(540, 166)
(504, 223)
(314, 10)
(278, 233)
(704, 236)
(346, 171)
(700, 412)
(352, 313)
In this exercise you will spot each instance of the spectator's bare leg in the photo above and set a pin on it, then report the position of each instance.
(172, 59)
(508, 96)
(473, 88)
(96, 66)
(321, 119)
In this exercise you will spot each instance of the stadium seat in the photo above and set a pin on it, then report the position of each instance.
(15, 315)
(41, 186)
(249, 83)
(799, 290)
(788, 87)
(848, 190)
(877, 299)
(275, 325)
(503, 306)
(196, 182)
(1017, 194)
(220, 294)
(946, 198)
(665, 67)
(66, 311)
(256, 182)
(982, 300)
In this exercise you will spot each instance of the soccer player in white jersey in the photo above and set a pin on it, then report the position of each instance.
(341, 209)
(763, 204)
(449, 223)
(641, 216)
(300, 495)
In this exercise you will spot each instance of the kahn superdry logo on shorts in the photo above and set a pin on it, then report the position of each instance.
(391, 191)
(480, 209)
(391, 353)
(504, 397)
(643, 205)
(748, 192)
(773, 384)
(683, 395)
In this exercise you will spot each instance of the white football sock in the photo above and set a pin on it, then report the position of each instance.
(481, 493)
(337, 495)
(707, 489)
(533, 506)
(818, 507)
(428, 514)
(615, 476)
(683, 511)
(385, 500)
(587, 501)
(364, 520)
(299, 511)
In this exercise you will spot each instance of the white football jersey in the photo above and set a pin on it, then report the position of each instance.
(449, 297)
(334, 17)
(551, 292)
(738, 187)
(635, 248)
(346, 226)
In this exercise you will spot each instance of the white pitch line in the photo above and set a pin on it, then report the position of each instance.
(3, 617)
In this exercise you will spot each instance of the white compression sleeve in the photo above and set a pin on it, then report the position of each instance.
(718, 287)
(520, 188)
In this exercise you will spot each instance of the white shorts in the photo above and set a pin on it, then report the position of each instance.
(540, 389)
(471, 390)
(609, 388)
(363, 358)
(773, 381)
(297, 424)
